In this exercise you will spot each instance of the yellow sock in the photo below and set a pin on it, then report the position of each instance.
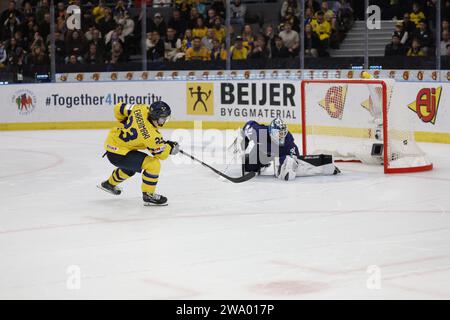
(117, 177)
(149, 181)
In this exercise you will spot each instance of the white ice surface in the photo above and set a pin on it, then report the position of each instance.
(264, 239)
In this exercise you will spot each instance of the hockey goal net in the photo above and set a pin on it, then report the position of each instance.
(358, 120)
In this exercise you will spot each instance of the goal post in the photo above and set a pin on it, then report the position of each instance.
(359, 121)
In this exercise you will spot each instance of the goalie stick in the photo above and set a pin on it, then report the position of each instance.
(244, 178)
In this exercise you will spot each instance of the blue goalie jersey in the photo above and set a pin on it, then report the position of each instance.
(264, 149)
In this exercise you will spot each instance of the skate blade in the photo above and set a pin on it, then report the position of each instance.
(109, 191)
(149, 204)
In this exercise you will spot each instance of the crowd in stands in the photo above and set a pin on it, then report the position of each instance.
(415, 31)
(111, 31)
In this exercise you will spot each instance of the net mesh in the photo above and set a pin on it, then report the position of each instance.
(348, 119)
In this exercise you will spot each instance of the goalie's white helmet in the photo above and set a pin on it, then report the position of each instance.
(278, 131)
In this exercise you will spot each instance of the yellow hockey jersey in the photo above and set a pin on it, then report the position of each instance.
(135, 132)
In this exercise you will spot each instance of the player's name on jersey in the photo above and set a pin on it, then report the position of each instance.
(258, 93)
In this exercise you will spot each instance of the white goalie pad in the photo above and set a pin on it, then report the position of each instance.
(293, 167)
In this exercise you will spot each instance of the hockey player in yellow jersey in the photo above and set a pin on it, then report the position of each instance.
(138, 130)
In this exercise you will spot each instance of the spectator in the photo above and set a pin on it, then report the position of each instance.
(344, 14)
(60, 10)
(73, 60)
(3, 55)
(219, 7)
(415, 50)
(29, 29)
(60, 47)
(193, 16)
(322, 28)
(42, 8)
(155, 46)
(211, 17)
(217, 52)
(157, 24)
(37, 41)
(238, 51)
(27, 11)
(74, 45)
(119, 9)
(416, 15)
(126, 22)
(207, 40)
(38, 57)
(293, 4)
(269, 34)
(445, 26)
(10, 27)
(178, 23)
(424, 36)
(11, 47)
(172, 46)
(260, 50)
(187, 40)
(309, 16)
(448, 50)
(93, 56)
(312, 43)
(197, 51)
(184, 8)
(238, 11)
(44, 26)
(16, 58)
(395, 48)
(98, 12)
(291, 39)
(219, 29)
(408, 25)
(401, 33)
(96, 40)
(292, 19)
(114, 35)
(430, 13)
(279, 50)
(313, 5)
(328, 14)
(11, 10)
(106, 23)
(21, 42)
(248, 37)
(445, 41)
(200, 29)
(201, 7)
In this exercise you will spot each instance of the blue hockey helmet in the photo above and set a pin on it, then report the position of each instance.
(278, 131)
(159, 113)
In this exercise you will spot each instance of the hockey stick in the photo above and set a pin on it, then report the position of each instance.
(244, 178)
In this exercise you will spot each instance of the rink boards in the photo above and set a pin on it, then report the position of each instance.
(215, 104)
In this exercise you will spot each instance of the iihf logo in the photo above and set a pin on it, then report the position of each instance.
(25, 101)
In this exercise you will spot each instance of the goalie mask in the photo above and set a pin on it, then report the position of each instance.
(159, 113)
(278, 131)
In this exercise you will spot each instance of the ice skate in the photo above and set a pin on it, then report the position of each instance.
(153, 199)
(108, 187)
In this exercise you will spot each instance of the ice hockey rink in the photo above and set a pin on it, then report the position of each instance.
(359, 235)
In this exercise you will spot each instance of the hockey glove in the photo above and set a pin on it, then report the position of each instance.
(175, 147)
(288, 169)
